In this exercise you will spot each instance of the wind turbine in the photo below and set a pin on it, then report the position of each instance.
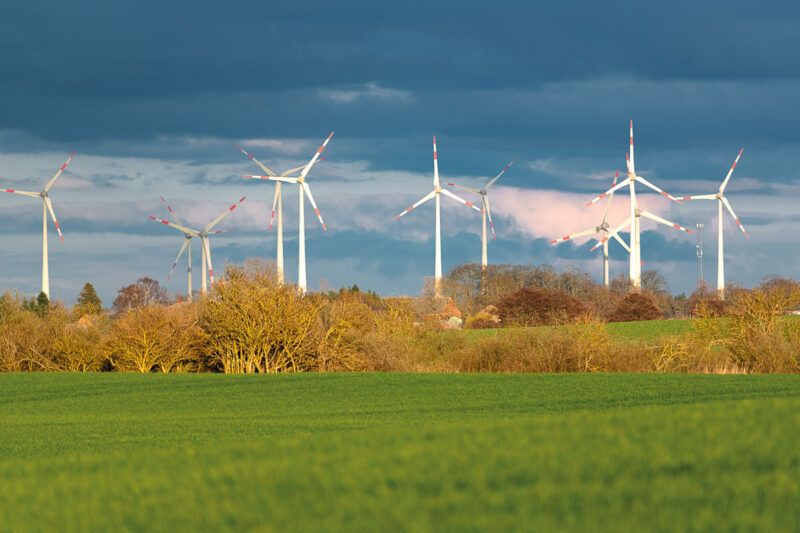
(303, 189)
(486, 211)
(636, 214)
(205, 248)
(603, 228)
(720, 198)
(46, 206)
(276, 201)
(437, 191)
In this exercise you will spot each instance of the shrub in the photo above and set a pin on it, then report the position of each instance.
(711, 307)
(151, 338)
(481, 321)
(23, 347)
(256, 323)
(583, 347)
(78, 349)
(636, 306)
(537, 307)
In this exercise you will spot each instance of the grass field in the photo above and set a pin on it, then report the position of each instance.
(645, 330)
(416, 452)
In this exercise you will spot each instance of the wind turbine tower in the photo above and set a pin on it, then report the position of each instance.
(636, 214)
(303, 190)
(486, 212)
(719, 196)
(699, 227)
(434, 194)
(47, 205)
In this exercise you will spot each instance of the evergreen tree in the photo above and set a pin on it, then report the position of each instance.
(88, 302)
(41, 305)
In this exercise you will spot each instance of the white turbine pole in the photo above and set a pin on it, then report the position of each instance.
(45, 270)
(605, 260)
(720, 256)
(280, 232)
(634, 243)
(437, 277)
(301, 253)
(204, 283)
(484, 257)
(720, 198)
(189, 271)
(435, 193)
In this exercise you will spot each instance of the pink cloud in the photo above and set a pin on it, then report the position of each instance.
(552, 214)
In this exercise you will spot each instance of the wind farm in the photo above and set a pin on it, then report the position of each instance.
(605, 230)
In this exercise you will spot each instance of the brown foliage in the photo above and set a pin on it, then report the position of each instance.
(151, 338)
(537, 307)
(255, 323)
(578, 348)
(636, 306)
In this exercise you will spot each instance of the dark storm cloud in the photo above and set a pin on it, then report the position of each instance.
(136, 69)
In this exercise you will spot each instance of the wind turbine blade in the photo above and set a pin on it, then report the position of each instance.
(60, 170)
(475, 191)
(616, 187)
(185, 243)
(657, 218)
(435, 164)
(26, 193)
(313, 204)
(644, 181)
(459, 199)
(223, 215)
(610, 197)
(632, 168)
(575, 235)
(700, 197)
(274, 203)
(728, 177)
(301, 167)
(53, 215)
(257, 162)
(316, 156)
(501, 173)
(622, 242)
(730, 209)
(489, 214)
(176, 226)
(421, 201)
(171, 212)
(282, 179)
(220, 231)
(612, 233)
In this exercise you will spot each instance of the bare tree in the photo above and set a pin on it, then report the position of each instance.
(145, 292)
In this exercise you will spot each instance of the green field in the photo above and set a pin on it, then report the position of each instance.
(647, 331)
(644, 331)
(366, 452)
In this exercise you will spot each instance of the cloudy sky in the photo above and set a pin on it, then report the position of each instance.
(155, 96)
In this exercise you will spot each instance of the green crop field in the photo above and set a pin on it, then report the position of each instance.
(645, 330)
(367, 452)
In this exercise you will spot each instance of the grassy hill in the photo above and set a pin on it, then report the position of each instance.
(354, 452)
